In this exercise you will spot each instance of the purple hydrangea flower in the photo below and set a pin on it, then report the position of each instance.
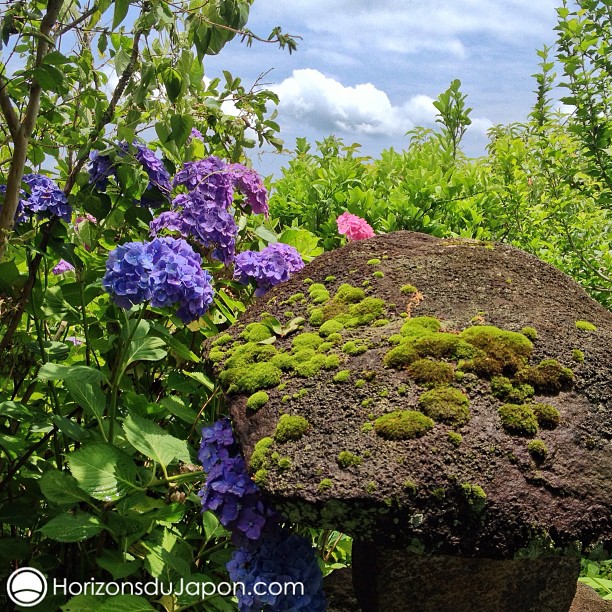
(62, 267)
(164, 272)
(195, 133)
(100, 169)
(249, 183)
(76, 341)
(268, 267)
(159, 177)
(46, 198)
(210, 178)
(195, 216)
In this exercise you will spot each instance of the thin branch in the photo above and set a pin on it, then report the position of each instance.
(78, 21)
(12, 120)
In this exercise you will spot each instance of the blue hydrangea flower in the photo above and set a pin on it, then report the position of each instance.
(164, 272)
(268, 267)
(46, 199)
(202, 219)
(159, 177)
(100, 169)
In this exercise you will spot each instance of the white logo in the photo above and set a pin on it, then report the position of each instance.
(26, 587)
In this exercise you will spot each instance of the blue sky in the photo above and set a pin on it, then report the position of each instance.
(368, 71)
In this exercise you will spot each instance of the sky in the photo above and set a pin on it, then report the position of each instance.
(368, 71)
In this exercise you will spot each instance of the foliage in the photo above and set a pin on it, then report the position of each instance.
(598, 575)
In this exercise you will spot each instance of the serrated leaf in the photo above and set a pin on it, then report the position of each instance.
(72, 528)
(176, 406)
(87, 395)
(201, 378)
(145, 349)
(103, 471)
(78, 373)
(61, 488)
(153, 442)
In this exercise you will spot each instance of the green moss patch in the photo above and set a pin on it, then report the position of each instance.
(318, 293)
(255, 377)
(260, 453)
(307, 340)
(446, 405)
(443, 346)
(400, 356)
(431, 373)
(373, 262)
(419, 326)
(585, 326)
(408, 289)
(342, 376)
(257, 400)
(549, 376)
(537, 449)
(348, 294)
(316, 317)
(290, 427)
(354, 347)
(402, 425)
(530, 332)
(518, 419)
(474, 495)
(222, 340)
(504, 389)
(578, 355)
(454, 438)
(346, 459)
(256, 332)
(330, 327)
(548, 416)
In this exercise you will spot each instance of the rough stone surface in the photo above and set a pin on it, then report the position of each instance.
(410, 491)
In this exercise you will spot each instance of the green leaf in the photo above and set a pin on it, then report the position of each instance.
(72, 528)
(201, 378)
(181, 128)
(103, 471)
(49, 77)
(52, 350)
(70, 428)
(173, 82)
(116, 565)
(304, 241)
(153, 442)
(79, 373)
(87, 395)
(176, 406)
(145, 349)
(61, 488)
(114, 603)
(121, 10)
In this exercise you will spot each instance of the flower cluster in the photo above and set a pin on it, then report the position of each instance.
(62, 267)
(100, 169)
(202, 219)
(209, 178)
(249, 183)
(354, 227)
(46, 199)
(267, 552)
(268, 267)
(165, 271)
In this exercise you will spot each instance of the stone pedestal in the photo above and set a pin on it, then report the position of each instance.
(399, 581)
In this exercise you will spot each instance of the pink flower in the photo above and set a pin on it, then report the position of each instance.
(86, 217)
(354, 227)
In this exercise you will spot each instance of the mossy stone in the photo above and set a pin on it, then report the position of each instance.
(443, 346)
(316, 318)
(331, 362)
(585, 326)
(326, 484)
(307, 340)
(354, 347)
(330, 327)
(474, 495)
(290, 427)
(408, 289)
(256, 332)
(260, 453)
(258, 376)
(283, 361)
(454, 438)
(530, 332)
(537, 449)
(504, 389)
(446, 405)
(549, 376)
(347, 459)
(431, 373)
(578, 355)
(222, 340)
(400, 356)
(366, 311)
(348, 294)
(306, 369)
(419, 326)
(518, 419)
(342, 376)
(402, 425)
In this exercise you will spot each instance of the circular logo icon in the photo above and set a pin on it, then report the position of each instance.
(26, 587)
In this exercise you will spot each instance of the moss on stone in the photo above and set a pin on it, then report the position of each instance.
(367, 402)
(383, 393)
(408, 289)
(216, 354)
(454, 438)
(296, 297)
(402, 389)
(507, 391)
(509, 349)
(222, 340)
(537, 449)
(446, 405)
(578, 355)
(290, 427)
(373, 262)
(549, 376)
(402, 425)
(342, 376)
(331, 362)
(336, 338)
(325, 347)
(256, 332)
(474, 495)
(366, 311)
(530, 332)
(260, 453)
(307, 340)
(431, 373)
(320, 296)
(443, 346)
(330, 279)
(316, 318)
(360, 383)
(283, 361)
(302, 355)
(380, 322)
(354, 347)
(347, 459)
(410, 487)
(325, 484)
(310, 367)
(395, 339)
(348, 294)
(548, 416)
(260, 477)
(419, 326)
(366, 427)
(586, 326)
(330, 327)
(371, 488)
(255, 377)
(518, 419)
(257, 400)
(400, 356)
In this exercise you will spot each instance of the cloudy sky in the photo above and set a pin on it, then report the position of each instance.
(368, 71)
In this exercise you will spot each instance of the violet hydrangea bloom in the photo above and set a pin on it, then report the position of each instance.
(62, 267)
(100, 169)
(165, 271)
(210, 178)
(249, 183)
(202, 219)
(354, 227)
(268, 267)
(46, 199)
(267, 552)
(159, 177)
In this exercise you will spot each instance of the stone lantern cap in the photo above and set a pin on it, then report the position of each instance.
(448, 396)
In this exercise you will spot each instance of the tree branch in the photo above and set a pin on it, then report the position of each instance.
(12, 120)
(78, 21)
